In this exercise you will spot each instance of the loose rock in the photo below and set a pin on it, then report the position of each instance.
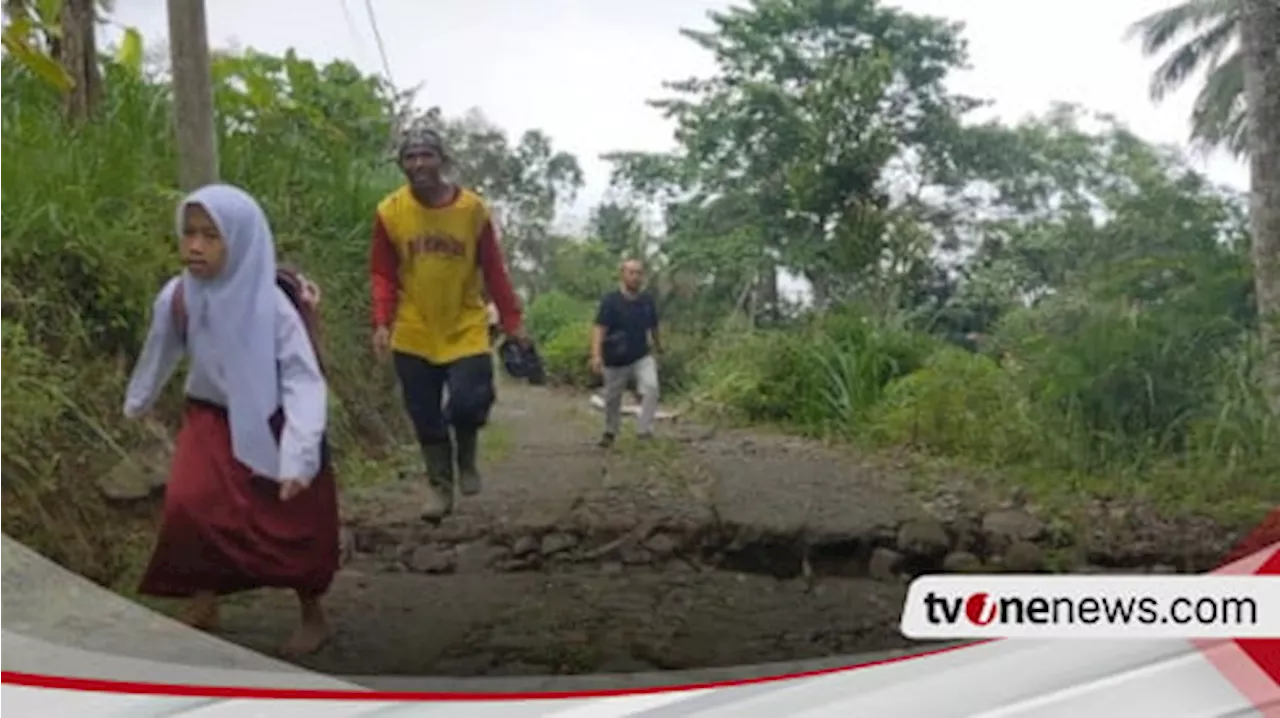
(662, 545)
(524, 546)
(556, 542)
(885, 564)
(923, 537)
(884, 535)
(1024, 557)
(961, 562)
(966, 535)
(634, 555)
(132, 479)
(431, 559)
(477, 556)
(1007, 526)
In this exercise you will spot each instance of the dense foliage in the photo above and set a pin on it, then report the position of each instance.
(1058, 299)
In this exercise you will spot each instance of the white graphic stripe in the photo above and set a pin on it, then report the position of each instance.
(76, 624)
(626, 705)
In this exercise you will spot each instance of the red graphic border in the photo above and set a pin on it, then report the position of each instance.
(1264, 654)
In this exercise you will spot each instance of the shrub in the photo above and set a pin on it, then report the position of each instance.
(730, 373)
(1122, 379)
(681, 353)
(1235, 434)
(858, 360)
(567, 355)
(32, 383)
(822, 377)
(958, 404)
(553, 311)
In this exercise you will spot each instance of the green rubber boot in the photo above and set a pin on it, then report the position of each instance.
(439, 459)
(469, 480)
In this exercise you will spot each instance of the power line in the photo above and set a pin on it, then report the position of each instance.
(377, 36)
(351, 25)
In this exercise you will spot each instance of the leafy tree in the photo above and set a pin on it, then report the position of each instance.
(783, 153)
(526, 183)
(618, 226)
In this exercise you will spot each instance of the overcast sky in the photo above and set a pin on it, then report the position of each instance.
(582, 69)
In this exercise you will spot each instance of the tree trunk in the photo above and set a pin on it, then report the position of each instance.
(1260, 45)
(767, 310)
(80, 57)
(193, 113)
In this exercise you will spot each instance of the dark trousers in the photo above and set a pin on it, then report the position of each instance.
(471, 394)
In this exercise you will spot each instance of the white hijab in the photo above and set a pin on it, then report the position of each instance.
(231, 328)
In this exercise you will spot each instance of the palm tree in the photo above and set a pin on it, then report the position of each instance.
(1201, 35)
(1261, 61)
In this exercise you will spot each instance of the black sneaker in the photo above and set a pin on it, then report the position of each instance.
(606, 441)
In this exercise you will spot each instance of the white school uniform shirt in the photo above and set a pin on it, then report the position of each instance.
(303, 390)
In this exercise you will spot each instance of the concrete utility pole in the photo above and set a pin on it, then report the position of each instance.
(192, 94)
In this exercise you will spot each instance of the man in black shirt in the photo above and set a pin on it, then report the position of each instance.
(624, 342)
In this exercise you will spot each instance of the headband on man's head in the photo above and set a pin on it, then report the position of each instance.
(416, 138)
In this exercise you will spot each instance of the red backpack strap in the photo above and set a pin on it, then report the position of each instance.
(178, 309)
(291, 283)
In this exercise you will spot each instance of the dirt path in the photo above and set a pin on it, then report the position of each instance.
(694, 550)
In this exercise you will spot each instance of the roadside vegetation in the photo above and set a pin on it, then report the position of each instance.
(1057, 302)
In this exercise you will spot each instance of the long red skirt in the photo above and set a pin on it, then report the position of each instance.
(225, 530)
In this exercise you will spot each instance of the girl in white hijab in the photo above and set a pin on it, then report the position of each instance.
(251, 501)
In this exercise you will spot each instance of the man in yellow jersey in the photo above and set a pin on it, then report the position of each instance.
(435, 257)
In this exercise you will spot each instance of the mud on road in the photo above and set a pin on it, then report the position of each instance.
(696, 550)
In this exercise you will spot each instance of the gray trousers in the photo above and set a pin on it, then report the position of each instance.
(645, 373)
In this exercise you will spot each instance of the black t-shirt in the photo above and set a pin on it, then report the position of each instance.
(627, 323)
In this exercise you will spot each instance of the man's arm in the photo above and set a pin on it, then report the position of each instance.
(597, 343)
(598, 330)
(497, 281)
(384, 271)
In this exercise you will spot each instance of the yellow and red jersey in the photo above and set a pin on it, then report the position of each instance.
(432, 268)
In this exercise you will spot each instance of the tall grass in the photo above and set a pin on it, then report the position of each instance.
(1087, 400)
(822, 378)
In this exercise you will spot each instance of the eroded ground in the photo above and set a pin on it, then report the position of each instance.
(700, 549)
